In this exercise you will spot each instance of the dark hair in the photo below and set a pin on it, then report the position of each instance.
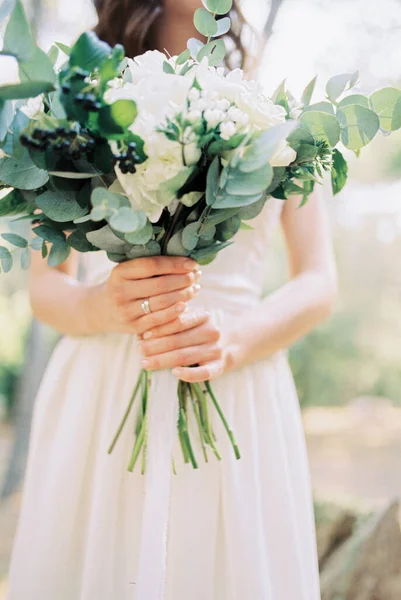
(131, 23)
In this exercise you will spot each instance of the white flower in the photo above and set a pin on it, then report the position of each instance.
(227, 130)
(147, 65)
(296, 112)
(223, 104)
(238, 116)
(209, 95)
(283, 156)
(192, 154)
(200, 104)
(213, 117)
(194, 115)
(34, 107)
(193, 94)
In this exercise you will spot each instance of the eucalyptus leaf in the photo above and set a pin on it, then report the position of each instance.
(36, 243)
(117, 117)
(142, 236)
(263, 148)
(280, 96)
(232, 201)
(14, 203)
(359, 125)
(223, 25)
(183, 57)
(6, 263)
(6, 117)
(18, 38)
(190, 236)
(72, 175)
(218, 7)
(22, 173)
(321, 107)
(15, 239)
(175, 246)
(172, 187)
(204, 255)
(253, 210)
(25, 258)
(339, 172)
(50, 234)
(212, 181)
(5, 253)
(214, 51)
(28, 89)
(89, 52)
(78, 240)
(249, 184)
(227, 229)
(339, 84)
(152, 248)
(61, 205)
(102, 197)
(38, 68)
(59, 252)
(168, 69)
(128, 220)
(323, 126)
(354, 99)
(64, 48)
(218, 216)
(194, 46)
(308, 92)
(387, 104)
(53, 53)
(106, 239)
(205, 23)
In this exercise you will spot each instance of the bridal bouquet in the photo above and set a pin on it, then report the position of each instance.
(162, 155)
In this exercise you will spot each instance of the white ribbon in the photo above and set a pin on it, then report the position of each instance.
(162, 433)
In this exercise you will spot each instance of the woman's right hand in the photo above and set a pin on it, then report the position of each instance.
(167, 282)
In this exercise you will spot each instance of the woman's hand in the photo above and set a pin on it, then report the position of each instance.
(167, 282)
(191, 339)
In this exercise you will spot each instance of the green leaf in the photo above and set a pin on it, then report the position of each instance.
(66, 49)
(28, 89)
(79, 241)
(60, 205)
(22, 173)
(219, 215)
(263, 148)
(322, 126)
(227, 229)
(49, 234)
(249, 184)
(183, 57)
(194, 46)
(205, 23)
(71, 175)
(168, 69)
(326, 107)
(387, 104)
(152, 248)
(6, 259)
(117, 117)
(175, 246)
(308, 92)
(231, 201)
(6, 117)
(15, 240)
(253, 210)
(18, 38)
(25, 258)
(190, 236)
(223, 26)
(339, 83)
(142, 236)
(59, 253)
(44, 249)
(280, 96)
(339, 172)
(89, 52)
(38, 68)
(127, 220)
(214, 51)
(53, 53)
(14, 203)
(36, 243)
(359, 125)
(212, 181)
(106, 239)
(218, 7)
(102, 197)
(172, 187)
(354, 99)
(204, 255)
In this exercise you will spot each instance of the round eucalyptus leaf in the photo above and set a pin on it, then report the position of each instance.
(387, 104)
(152, 248)
(205, 22)
(359, 125)
(190, 236)
(183, 57)
(326, 107)
(249, 184)
(214, 51)
(223, 26)
(127, 220)
(98, 213)
(60, 206)
(194, 46)
(253, 210)
(6, 263)
(339, 83)
(227, 229)
(5, 253)
(175, 247)
(354, 99)
(25, 258)
(101, 196)
(15, 240)
(263, 148)
(323, 126)
(207, 232)
(22, 173)
(232, 201)
(142, 236)
(36, 243)
(59, 253)
(218, 7)
(106, 239)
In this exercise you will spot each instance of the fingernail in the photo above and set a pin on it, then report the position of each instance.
(147, 335)
(198, 275)
(145, 363)
(196, 288)
(190, 264)
(181, 308)
(176, 372)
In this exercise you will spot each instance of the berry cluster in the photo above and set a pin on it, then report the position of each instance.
(76, 85)
(71, 142)
(127, 159)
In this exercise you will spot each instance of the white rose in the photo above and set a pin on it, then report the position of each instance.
(227, 130)
(200, 104)
(283, 156)
(213, 117)
(194, 115)
(146, 65)
(34, 107)
(193, 94)
(223, 104)
(238, 116)
(192, 154)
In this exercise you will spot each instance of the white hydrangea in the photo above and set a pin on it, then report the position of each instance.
(34, 107)
(227, 130)
(213, 117)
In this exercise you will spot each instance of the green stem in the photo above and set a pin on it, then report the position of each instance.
(137, 447)
(223, 419)
(204, 413)
(185, 436)
(127, 412)
(195, 407)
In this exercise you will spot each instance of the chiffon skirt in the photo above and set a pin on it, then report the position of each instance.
(230, 530)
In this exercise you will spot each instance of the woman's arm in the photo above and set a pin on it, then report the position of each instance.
(277, 322)
(76, 308)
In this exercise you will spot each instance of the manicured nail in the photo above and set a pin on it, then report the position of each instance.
(145, 363)
(198, 275)
(181, 308)
(190, 264)
(176, 372)
(196, 288)
(147, 335)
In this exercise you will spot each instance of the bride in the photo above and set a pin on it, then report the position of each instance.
(231, 530)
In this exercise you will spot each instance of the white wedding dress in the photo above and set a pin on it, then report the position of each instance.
(231, 530)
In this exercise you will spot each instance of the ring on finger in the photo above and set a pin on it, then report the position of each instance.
(145, 305)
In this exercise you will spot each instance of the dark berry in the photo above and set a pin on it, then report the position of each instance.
(37, 134)
(91, 144)
(132, 146)
(52, 135)
(79, 99)
(132, 169)
(83, 146)
(66, 89)
(72, 134)
(123, 156)
(66, 144)
(75, 155)
(24, 139)
(60, 131)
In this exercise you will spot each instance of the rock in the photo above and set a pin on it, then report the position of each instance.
(333, 526)
(368, 565)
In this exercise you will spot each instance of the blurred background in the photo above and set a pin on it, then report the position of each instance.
(348, 371)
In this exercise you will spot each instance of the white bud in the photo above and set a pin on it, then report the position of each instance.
(209, 95)
(295, 112)
(227, 130)
(237, 115)
(200, 104)
(213, 117)
(192, 154)
(193, 116)
(223, 104)
(193, 94)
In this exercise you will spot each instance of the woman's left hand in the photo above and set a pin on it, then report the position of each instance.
(191, 339)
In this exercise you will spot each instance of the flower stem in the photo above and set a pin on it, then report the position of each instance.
(223, 419)
(195, 407)
(127, 412)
